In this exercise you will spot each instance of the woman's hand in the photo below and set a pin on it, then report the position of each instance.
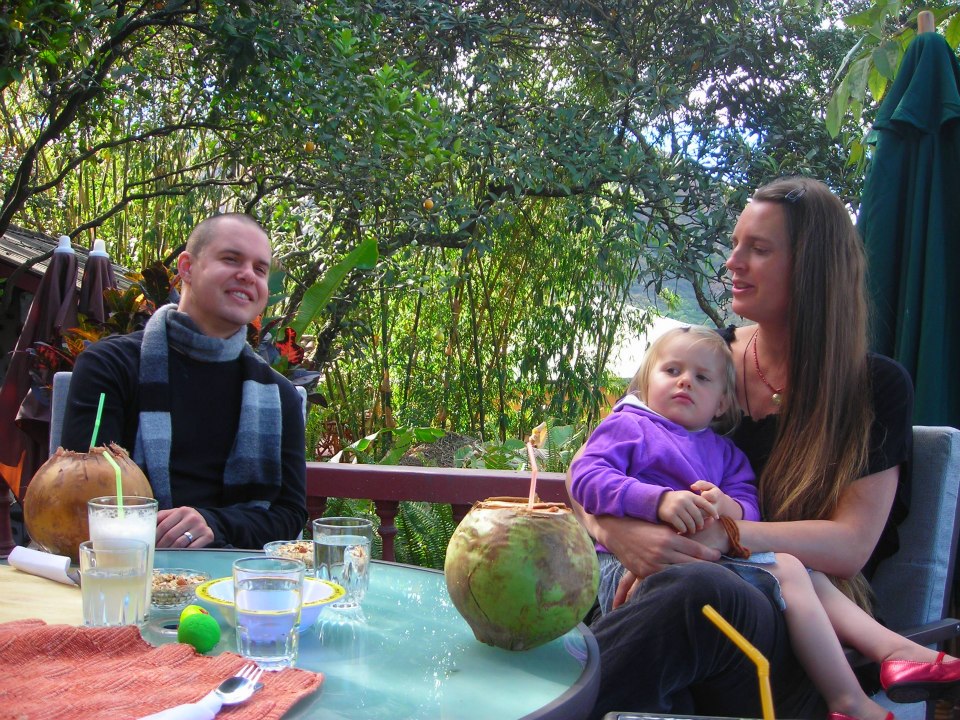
(646, 548)
(625, 589)
(713, 536)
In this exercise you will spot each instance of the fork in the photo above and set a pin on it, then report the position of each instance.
(235, 689)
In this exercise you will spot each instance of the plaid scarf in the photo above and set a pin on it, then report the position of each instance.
(254, 461)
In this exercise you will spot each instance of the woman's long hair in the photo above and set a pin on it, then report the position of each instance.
(823, 434)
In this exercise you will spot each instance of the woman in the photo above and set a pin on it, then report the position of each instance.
(827, 429)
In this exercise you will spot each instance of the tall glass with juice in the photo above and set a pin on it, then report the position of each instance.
(135, 518)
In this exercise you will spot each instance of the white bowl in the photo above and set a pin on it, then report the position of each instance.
(217, 596)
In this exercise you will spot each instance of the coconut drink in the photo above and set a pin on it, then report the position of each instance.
(521, 573)
(55, 504)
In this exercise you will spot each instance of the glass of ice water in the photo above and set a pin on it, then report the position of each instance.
(267, 596)
(341, 547)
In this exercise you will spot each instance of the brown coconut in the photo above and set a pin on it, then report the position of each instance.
(55, 506)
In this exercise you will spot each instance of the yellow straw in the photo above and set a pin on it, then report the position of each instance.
(763, 665)
(96, 423)
(533, 473)
(116, 472)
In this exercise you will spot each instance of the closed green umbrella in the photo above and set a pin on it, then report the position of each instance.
(910, 223)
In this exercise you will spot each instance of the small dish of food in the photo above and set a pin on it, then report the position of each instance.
(292, 550)
(175, 588)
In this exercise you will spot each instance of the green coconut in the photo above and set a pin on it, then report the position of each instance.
(521, 576)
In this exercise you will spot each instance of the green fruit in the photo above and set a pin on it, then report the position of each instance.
(199, 630)
(192, 610)
(521, 577)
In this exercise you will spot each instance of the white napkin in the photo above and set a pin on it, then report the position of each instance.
(204, 709)
(35, 562)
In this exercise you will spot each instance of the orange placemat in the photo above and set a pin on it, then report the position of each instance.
(61, 671)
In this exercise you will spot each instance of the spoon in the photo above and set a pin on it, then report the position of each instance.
(240, 687)
(231, 691)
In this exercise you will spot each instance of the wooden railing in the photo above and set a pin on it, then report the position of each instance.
(387, 485)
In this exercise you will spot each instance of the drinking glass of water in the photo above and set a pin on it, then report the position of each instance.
(267, 596)
(113, 573)
(341, 548)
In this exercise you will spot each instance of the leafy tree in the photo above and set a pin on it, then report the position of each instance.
(519, 166)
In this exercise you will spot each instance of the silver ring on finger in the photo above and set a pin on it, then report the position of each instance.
(189, 536)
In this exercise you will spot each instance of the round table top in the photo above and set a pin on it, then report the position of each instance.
(415, 656)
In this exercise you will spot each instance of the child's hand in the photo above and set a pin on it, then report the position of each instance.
(684, 510)
(722, 503)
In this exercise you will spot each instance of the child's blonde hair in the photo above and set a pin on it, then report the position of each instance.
(713, 342)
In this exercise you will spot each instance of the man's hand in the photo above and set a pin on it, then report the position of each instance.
(685, 511)
(176, 527)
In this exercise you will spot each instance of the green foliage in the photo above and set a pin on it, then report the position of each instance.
(315, 299)
(423, 533)
(387, 446)
(575, 155)
(350, 507)
(423, 529)
(555, 447)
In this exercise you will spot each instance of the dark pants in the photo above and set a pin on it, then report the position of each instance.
(659, 653)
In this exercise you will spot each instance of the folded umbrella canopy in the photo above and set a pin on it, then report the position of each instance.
(910, 223)
(97, 277)
(53, 310)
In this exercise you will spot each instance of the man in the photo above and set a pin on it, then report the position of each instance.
(218, 433)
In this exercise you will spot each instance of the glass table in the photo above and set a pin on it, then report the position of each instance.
(416, 657)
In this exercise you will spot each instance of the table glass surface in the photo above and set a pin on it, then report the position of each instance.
(415, 657)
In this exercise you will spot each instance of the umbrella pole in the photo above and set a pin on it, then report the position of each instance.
(925, 22)
(6, 532)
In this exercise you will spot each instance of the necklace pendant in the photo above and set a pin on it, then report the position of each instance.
(777, 399)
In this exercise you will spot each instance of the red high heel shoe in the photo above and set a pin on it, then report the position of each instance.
(841, 716)
(912, 681)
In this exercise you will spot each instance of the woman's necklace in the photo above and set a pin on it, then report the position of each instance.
(777, 393)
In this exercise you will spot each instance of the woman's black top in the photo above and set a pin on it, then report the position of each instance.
(891, 440)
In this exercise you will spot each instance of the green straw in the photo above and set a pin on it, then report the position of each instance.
(108, 456)
(96, 424)
(116, 471)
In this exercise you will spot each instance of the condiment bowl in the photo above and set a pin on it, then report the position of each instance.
(301, 550)
(174, 588)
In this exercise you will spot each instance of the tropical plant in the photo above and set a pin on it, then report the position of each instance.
(554, 448)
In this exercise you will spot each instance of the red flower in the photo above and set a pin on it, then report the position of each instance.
(288, 347)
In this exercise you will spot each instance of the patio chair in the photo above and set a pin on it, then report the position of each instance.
(913, 585)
